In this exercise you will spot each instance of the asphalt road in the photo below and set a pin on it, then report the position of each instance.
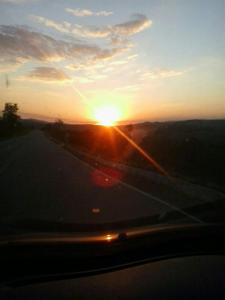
(41, 180)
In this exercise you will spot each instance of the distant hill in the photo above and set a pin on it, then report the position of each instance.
(191, 149)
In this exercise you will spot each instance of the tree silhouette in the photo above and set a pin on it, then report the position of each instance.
(59, 124)
(9, 115)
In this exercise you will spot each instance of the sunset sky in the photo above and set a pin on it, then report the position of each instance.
(151, 60)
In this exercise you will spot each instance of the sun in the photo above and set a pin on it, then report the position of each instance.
(107, 115)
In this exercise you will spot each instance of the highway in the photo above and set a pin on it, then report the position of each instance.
(41, 180)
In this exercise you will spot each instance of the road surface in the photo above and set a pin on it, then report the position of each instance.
(41, 180)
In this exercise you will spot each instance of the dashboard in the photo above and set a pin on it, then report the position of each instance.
(171, 262)
(195, 277)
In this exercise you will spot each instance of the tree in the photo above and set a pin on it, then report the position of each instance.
(9, 114)
(59, 124)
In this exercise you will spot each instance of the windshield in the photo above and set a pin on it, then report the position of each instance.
(112, 114)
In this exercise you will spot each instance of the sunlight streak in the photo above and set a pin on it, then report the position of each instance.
(142, 152)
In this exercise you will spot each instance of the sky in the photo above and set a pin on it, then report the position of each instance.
(150, 60)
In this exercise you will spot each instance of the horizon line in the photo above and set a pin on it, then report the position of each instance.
(27, 116)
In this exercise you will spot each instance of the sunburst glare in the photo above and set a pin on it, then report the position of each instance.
(107, 115)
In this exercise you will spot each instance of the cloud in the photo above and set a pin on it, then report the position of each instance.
(48, 74)
(11, 64)
(96, 61)
(119, 31)
(116, 32)
(170, 73)
(64, 27)
(161, 73)
(129, 88)
(89, 78)
(132, 57)
(137, 24)
(22, 44)
(119, 62)
(87, 13)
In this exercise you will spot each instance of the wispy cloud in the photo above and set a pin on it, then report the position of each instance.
(162, 73)
(48, 74)
(90, 78)
(87, 12)
(98, 62)
(129, 88)
(10, 64)
(64, 27)
(21, 44)
(137, 24)
(132, 57)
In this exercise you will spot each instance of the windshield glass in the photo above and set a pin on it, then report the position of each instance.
(112, 114)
